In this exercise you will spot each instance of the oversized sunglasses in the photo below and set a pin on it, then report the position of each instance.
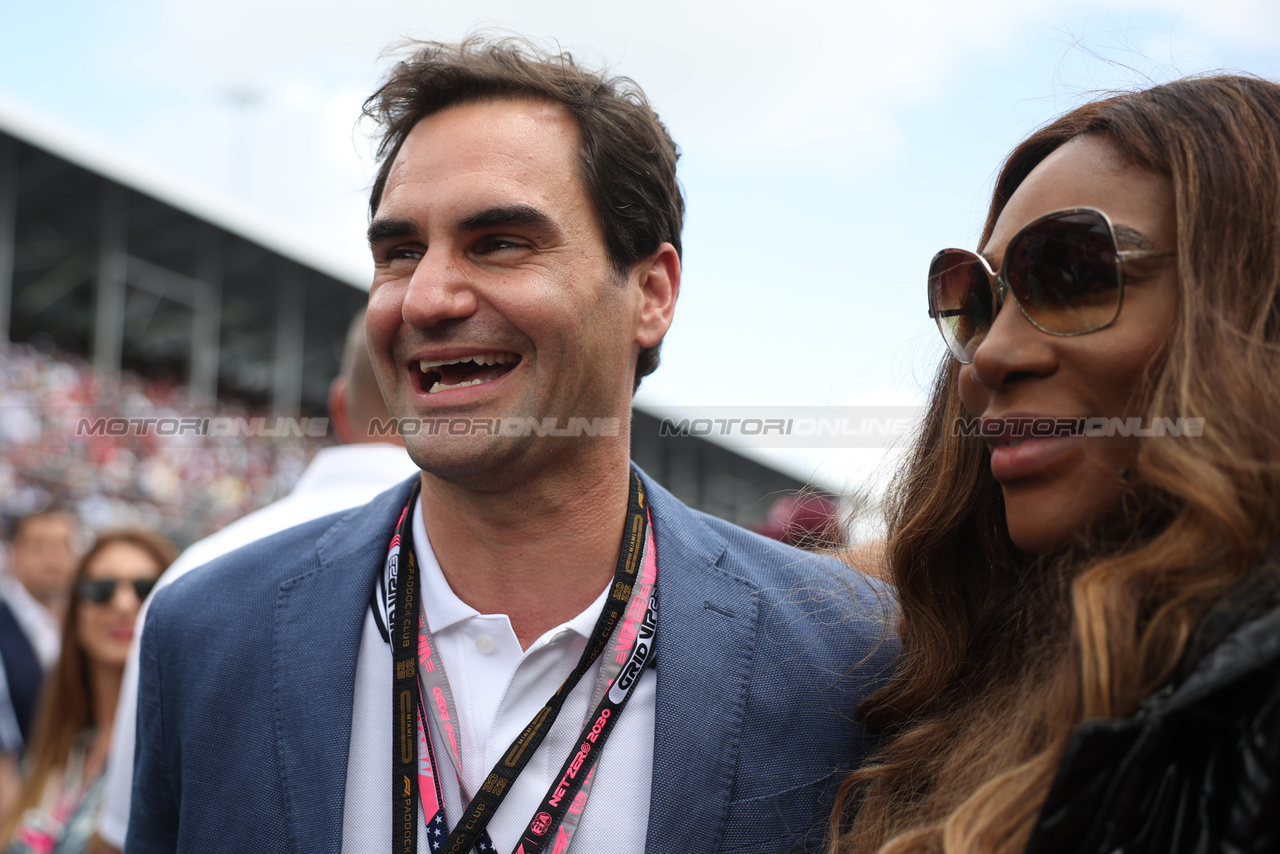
(100, 590)
(1062, 269)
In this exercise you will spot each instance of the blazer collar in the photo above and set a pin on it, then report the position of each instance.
(319, 618)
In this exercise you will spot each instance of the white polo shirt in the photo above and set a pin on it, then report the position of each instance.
(498, 688)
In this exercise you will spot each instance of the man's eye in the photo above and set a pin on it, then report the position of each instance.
(491, 245)
(401, 253)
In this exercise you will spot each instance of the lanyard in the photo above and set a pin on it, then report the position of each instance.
(630, 649)
(625, 629)
(562, 806)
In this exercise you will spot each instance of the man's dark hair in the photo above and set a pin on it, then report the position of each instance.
(626, 159)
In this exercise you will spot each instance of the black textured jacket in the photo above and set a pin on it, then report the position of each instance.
(1197, 769)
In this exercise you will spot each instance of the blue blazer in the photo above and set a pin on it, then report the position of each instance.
(248, 667)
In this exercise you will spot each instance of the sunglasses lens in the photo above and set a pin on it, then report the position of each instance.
(101, 590)
(1063, 273)
(962, 301)
(97, 591)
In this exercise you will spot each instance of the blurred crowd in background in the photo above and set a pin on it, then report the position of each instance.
(184, 485)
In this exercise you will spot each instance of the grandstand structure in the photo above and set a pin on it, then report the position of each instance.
(129, 271)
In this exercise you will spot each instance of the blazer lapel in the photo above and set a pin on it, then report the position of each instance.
(319, 616)
(705, 649)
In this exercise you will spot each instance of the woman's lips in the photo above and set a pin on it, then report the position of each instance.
(1029, 457)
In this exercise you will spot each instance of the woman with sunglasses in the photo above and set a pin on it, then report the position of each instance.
(63, 765)
(1084, 537)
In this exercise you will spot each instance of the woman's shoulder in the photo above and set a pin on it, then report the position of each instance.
(1199, 760)
(1239, 635)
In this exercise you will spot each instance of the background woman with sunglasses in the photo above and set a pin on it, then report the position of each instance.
(1091, 624)
(63, 775)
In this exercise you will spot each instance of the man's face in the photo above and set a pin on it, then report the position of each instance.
(44, 557)
(493, 296)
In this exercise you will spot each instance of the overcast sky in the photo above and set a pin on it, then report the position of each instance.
(829, 149)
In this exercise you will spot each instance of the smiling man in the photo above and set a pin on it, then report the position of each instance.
(531, 646)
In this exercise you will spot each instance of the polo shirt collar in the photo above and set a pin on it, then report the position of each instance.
(444, 609)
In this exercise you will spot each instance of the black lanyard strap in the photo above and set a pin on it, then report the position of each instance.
(405, 689)
(402, 567)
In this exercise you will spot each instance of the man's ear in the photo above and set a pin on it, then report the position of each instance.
(659, 282)
(338, 414)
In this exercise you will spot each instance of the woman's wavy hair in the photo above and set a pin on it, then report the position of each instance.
(1004, 655)
(67, 705)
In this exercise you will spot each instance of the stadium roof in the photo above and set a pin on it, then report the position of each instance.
(197, 200)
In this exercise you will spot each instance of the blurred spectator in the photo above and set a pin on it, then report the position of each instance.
(63, 767)
(339, 478)
(808, 521)
(33, 598)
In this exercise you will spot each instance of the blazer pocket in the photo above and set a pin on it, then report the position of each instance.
(783, 822)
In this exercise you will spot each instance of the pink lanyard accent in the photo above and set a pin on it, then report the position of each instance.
(440, 706)
(624, 645)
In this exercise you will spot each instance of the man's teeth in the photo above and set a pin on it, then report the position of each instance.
(442, 387)
(482, 359)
